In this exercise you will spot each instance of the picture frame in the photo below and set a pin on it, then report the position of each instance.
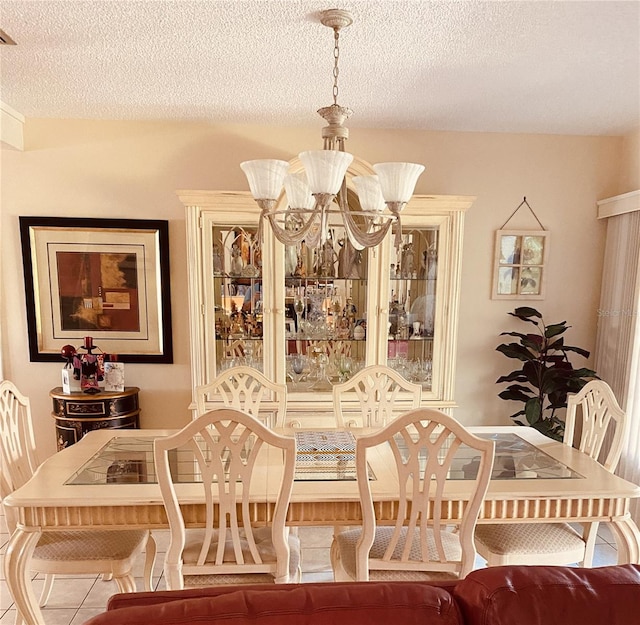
(104, 278)
(520, 259)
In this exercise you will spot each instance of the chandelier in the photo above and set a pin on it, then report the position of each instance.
(316, 195)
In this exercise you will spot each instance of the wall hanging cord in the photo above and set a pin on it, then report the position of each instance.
(523, 203)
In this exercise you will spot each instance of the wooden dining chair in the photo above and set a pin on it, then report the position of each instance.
(374, 396)
(602, 425)
(246, 389)
(217, 454)
(111, 553)
(419, 544)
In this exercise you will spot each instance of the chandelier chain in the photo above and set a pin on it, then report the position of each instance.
(336, 57)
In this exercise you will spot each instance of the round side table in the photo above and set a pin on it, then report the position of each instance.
(76, 414)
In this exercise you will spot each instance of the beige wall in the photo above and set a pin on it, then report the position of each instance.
(132, 170)
(630, 169)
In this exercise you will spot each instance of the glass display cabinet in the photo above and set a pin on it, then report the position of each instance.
(311, 318)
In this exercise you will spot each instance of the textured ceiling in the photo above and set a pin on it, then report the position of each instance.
(541, 67)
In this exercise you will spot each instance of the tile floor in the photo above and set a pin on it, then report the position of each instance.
(74, 603)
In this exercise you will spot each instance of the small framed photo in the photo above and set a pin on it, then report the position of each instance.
(114, 376)
(519, 264)
(69, 383)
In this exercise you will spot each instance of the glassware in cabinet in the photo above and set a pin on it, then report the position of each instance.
(325, 313)
(237, 297)
(413, 273)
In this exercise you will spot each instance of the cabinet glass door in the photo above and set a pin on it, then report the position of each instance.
(412, 308)
(237, 297)
(325, 313)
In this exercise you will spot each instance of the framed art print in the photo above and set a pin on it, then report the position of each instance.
(107, 278)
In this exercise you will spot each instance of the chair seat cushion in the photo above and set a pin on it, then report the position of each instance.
(94, 545)
(529, 538)
(346, 543)
(201, 581)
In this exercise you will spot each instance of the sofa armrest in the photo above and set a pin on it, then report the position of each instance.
(539, 595)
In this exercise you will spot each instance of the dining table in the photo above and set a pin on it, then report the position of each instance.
(107, 481)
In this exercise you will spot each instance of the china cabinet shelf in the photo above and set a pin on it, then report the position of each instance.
(272, 310)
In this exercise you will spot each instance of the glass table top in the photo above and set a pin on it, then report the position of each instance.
(515, 458)
(321, 456)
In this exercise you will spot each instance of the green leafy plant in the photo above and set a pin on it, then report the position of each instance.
(547, 375)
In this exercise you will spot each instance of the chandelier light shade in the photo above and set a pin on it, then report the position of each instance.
(325, 169)
(369, 193)
(298, 192)
(265, 177)
(319, 192)
(398, 180)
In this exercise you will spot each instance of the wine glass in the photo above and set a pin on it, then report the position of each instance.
(297, 366)
(344, 365)
(428, 372)
(298, 308)
(248, 353)
(323, 383)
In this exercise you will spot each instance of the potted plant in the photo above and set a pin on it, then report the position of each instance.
(546, 375)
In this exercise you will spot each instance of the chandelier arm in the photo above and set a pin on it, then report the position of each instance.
(344, 210)
(313, 239)
(398, 237)
(291, 237)
(356, 244)
(266, 206)
(324, 225)
(360, 239)
(323, 202)
(396, 208)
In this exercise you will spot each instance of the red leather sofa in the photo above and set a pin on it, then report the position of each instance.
(507, 595)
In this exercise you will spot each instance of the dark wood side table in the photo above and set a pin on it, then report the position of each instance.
(78, 413)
